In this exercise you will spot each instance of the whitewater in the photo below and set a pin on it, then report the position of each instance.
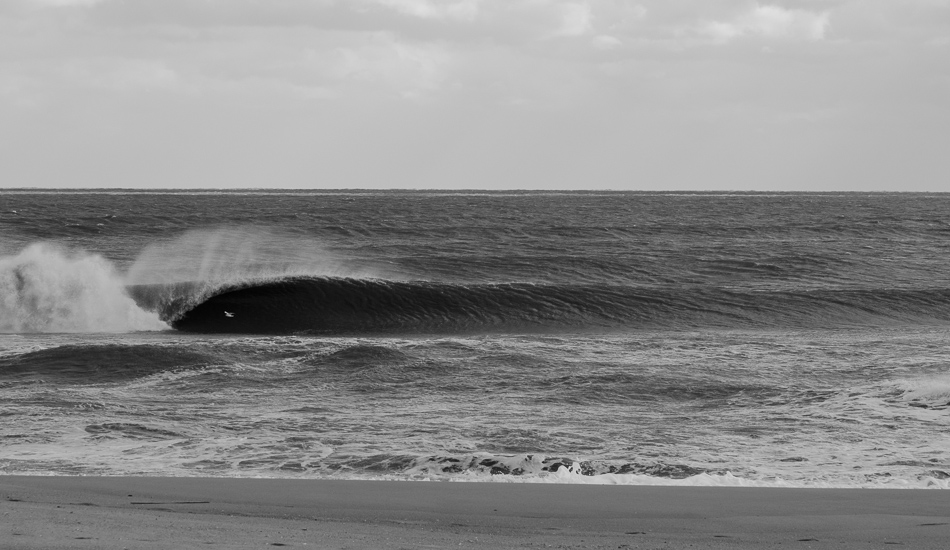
(631, 338)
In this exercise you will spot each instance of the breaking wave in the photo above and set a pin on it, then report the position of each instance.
(45, 288)
(172, 276)
(258, 282)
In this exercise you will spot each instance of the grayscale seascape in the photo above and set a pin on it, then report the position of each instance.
(795, 339)
(497, 274)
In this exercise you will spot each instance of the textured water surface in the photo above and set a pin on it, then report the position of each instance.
(795, 339)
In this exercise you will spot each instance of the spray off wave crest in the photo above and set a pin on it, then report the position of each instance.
(252, 280)
(46, 288)
(173, 276)
(258, 281)
(49, 288)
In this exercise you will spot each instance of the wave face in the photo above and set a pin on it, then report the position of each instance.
(346, 305)
(45, 288)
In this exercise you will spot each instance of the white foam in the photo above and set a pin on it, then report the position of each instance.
(933, 388)
(46, 288)
(727, 479)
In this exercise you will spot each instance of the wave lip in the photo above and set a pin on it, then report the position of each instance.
(339, 305)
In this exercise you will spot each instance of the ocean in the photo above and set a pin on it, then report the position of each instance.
(749, 339)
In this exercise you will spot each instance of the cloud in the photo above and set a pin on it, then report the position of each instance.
(606, 42)
(121, 74)
(769, 21)
(528, 84)
(385, 63)
(459, 9)
(907, 21)
(66, 3)
(575, 19)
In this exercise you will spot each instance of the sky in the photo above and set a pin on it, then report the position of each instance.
(785, 95)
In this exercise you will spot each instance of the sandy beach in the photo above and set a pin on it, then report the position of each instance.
(146, 512)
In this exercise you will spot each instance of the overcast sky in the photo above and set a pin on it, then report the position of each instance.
(556, 94)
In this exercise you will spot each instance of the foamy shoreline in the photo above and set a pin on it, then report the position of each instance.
(160, 512)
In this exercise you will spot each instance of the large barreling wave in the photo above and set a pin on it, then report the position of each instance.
(255, 281)
(339, 305)
(251, 280)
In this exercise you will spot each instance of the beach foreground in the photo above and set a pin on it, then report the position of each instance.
(154, 512)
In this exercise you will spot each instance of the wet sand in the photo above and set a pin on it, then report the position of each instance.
(152, 512)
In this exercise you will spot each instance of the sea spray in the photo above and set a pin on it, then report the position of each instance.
(46, 288)
(174, 275)
(230, 255)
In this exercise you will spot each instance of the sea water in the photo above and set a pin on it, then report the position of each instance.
(684, 338)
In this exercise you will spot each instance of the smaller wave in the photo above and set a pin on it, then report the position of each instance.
(368, 353)
(932, 392)
(131, 431)
(100, 363)
(46, 288)
(628, 387)
(535, 468)
(375, 369)
(522, 465)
